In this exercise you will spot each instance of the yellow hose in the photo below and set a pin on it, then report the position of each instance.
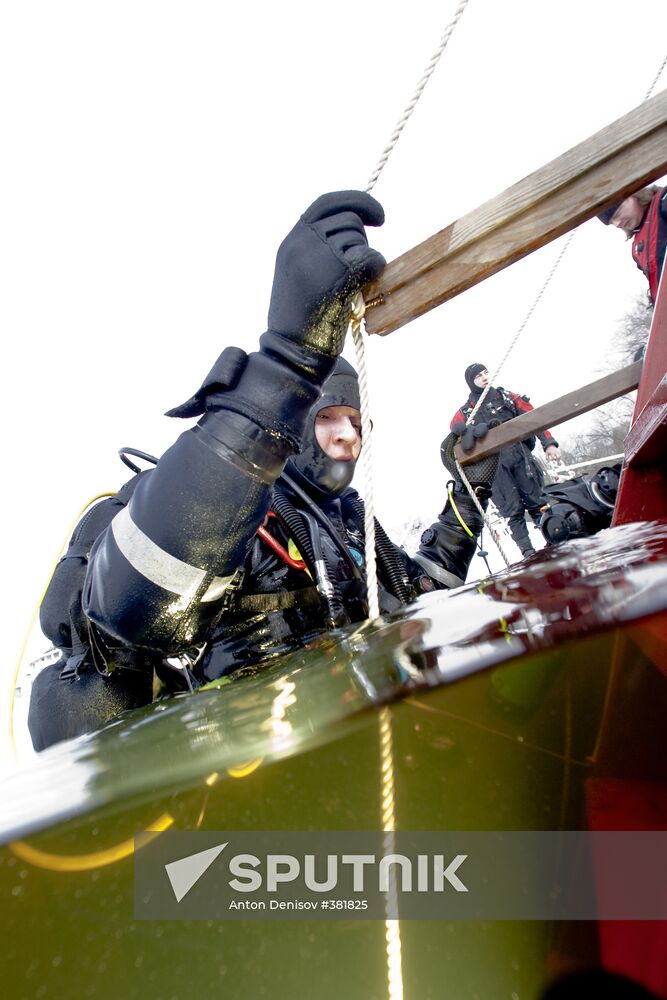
(85, 862)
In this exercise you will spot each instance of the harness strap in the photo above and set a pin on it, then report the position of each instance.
(79, 550)
(74, 664)
(274, 602)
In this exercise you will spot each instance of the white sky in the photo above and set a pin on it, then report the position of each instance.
(155, 154)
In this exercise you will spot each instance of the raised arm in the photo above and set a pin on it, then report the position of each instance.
(157, 576)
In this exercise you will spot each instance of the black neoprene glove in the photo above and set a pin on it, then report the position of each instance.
(320, 265)
(469, 433)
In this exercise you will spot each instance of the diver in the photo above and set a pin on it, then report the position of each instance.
(246, 540)
(579, 507)
(517, 487)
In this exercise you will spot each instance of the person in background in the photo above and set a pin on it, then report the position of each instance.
(517, 486)
(643, 218)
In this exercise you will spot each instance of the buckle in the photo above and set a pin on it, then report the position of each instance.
(71, 669)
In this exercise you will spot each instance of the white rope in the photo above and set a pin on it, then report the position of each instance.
(657, 77)
(392, 926)
(410, 107)
(388, 810)
(483, 514)
(523, 326)
(356, 327)
(367, 458)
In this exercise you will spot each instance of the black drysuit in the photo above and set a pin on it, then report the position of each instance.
(517, 486)
(307, 579)
(183, 569)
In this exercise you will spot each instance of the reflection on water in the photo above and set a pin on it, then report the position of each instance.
(563, 593)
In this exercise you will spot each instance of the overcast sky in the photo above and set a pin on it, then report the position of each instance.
(155, 154)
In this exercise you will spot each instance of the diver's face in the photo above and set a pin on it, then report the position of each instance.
(482, 380)
(338, 432)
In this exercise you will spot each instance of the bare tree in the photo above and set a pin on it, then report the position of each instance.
(631, 335)
(609, 425)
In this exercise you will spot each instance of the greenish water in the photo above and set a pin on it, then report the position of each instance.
(506, 704)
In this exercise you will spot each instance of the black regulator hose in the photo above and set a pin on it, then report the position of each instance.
(320, 516)
(294, 525)
(391, 564)
(303, 529)
(326, 581)
(385, 549)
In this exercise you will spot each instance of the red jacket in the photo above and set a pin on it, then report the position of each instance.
(648, 245)
(500, 404)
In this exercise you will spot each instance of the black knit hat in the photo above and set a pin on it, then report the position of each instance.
(471, 373)
(608, 213)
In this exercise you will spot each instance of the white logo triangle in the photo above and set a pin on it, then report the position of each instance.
(186, 871)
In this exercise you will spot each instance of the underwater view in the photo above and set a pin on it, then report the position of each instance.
(531, 701)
